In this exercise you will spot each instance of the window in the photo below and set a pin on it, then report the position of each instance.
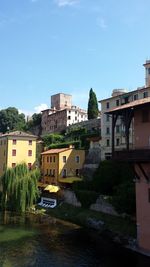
(14, 141)
(117, 142)
(64, 173)
(149, 71)
(107, 105)
(108, 142)
(64, 159)
(135, 97)
(145, 116)
(145, 94)
(69, 117)
(77, 159)
(13, 165)
(126, 100)
(77, 172)
(47, 158)
(117, 128)
(69, 111)
(54, 159)
(117, 102)
(108, 156)
(107, 117)
(29, 153)
(29, 166)
(107, 130)
(50, 159)
(14, 152)
(54, 173)
(30, 142)
(75, 118)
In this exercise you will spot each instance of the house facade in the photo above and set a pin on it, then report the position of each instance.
(59, 164)
(120, 97)
(61, 114)
(17, 147)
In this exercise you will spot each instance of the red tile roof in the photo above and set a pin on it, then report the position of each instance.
(55, 151)
(19, 134)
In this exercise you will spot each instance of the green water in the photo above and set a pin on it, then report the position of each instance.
(36, 241)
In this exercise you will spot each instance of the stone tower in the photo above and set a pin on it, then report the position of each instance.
(61, 101)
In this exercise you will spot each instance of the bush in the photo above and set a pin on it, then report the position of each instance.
(110, 174)
(49, 139)
(86, 197)
(124, 198)
(82, 185)
(77, 144)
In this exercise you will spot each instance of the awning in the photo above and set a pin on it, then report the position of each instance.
(39, 184)
(52, 188)
(70, 180)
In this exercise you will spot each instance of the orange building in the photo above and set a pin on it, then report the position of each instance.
(139, 113)
(62, 165)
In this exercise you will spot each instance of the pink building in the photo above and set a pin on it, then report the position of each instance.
(139, 113)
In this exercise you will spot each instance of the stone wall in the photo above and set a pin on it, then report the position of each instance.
(103, 206)
(70, 198)
(92, 161)
(100, 205)
(93, 124)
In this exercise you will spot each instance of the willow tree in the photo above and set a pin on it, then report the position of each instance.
(19, 187)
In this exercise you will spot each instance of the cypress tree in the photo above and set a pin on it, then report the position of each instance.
(92, 105)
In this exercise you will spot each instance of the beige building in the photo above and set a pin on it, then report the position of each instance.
(120, 97)
(61, 114)
(17, 147)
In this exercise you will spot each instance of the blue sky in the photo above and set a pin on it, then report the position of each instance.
(69, 46)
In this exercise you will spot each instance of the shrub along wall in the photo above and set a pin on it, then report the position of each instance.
(116, 180)
(86, 198)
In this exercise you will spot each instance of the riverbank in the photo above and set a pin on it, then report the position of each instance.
(121, 230)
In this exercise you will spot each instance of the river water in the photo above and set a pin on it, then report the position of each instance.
(34, 241)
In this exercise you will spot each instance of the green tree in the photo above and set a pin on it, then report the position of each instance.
(49, 139)
(110, 174)
(10, 119)
(92, 105)
(19, 187)
(34, 121)
(36, 117)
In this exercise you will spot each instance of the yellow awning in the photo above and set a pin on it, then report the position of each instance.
(41, 184)
(70, 180)
(52, 188)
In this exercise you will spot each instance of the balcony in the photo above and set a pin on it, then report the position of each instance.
(134, 155)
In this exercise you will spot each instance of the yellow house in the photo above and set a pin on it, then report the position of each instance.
(17, 147)
(62, 165)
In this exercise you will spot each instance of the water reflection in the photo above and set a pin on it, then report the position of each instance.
(27, 241)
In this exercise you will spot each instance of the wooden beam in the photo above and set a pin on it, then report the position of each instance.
(114, 119)
(143, 172)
